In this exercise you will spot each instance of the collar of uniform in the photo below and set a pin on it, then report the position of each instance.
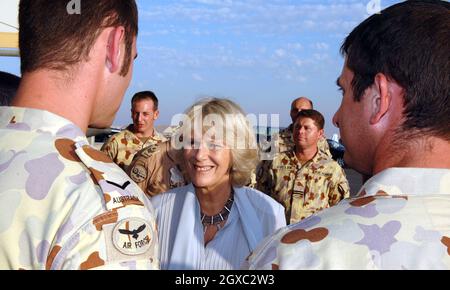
(129, 135)
(318, 159)
(156, 135)
(33, 120)
(408, 181)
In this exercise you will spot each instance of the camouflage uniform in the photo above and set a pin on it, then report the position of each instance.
(286, 142)
(398, 221)
(157, 168)
(303, 189)
(64, 205)
(124, 145)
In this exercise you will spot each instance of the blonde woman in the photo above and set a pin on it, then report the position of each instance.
(215, 222)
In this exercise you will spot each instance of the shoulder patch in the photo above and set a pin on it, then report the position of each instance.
(132, 236)
(138, 173)
(148, 151)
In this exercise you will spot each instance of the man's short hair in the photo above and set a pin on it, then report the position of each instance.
(51, 38)
(8, 87)
(146, 95)
(316, 116)
(409, 43)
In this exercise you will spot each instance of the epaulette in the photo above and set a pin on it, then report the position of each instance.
(117, 189)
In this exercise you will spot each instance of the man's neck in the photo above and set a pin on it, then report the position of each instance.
(213, 199)
(147, 134)
(426, 152)
(305, 154)
(46, 90)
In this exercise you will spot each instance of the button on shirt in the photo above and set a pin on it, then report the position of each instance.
(65, 205)
(303, 189)
(400, 220)
(123, 146)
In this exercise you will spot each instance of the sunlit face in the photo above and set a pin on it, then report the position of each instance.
(144, 115)
(208, 162)
(306, 133)
(299, 105)
(352, 118)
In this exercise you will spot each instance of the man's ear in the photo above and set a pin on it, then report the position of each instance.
(156, 115)
(381, 101)
(321, 133)
(113, 53)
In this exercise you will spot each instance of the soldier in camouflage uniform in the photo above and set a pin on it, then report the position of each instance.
(64, 205)
(305, 186)
(395, 123)
(158, 168)
(284, 140)
(123, 146)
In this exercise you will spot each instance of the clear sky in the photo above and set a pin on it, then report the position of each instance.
(260, 53)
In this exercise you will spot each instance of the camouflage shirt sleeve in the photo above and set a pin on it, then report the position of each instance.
(340, 188)
(159, 169)
(98, 244)
(111, 148)
(138, 171)
(324, 147)
(116, 230)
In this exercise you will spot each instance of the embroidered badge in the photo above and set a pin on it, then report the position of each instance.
(149, 151)
(138, 173)
(132, 236)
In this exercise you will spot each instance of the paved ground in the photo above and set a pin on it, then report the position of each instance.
(355, 181)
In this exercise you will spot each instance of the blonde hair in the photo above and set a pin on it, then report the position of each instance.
(239, 134)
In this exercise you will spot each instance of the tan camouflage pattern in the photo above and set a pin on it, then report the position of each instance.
(61, 200)
(399, 220)
(157, 169)
(303, 189)
(123, 146)
(285, 142)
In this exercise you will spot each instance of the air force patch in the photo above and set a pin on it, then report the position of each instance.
(132, 236)
(138, 173)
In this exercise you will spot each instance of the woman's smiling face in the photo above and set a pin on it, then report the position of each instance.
(208, 162)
